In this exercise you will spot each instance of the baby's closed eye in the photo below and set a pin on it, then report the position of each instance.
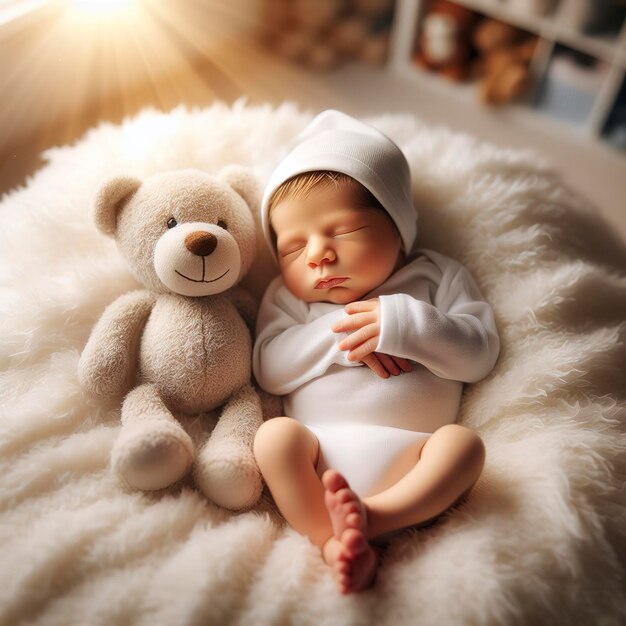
(347, 231)
(291, 249)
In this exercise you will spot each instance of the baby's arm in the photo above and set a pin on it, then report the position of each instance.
(455, 339)
(289, 350)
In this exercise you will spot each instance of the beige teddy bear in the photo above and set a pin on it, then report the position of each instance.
(180, 346)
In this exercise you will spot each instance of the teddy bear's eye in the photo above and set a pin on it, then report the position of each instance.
(171, 222)
(222, 224)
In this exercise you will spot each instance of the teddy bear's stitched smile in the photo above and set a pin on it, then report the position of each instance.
(202, 280)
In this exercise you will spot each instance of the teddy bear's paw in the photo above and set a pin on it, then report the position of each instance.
(229, 480)
(149, 460)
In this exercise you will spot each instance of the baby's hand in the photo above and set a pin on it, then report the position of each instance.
(364, 319)
(385, 364)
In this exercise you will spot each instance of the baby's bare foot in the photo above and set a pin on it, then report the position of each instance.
(356, 562)
(344, 507)
(335, 555)
(363, 561)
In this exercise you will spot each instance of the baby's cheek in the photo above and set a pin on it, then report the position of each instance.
(293, 276)
(372, 259)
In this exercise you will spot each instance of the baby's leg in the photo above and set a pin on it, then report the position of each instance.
(287, 454)
(449, 465)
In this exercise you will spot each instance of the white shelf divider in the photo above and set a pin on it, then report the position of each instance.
(404, 31)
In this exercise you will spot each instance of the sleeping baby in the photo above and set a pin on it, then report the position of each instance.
(369, 342)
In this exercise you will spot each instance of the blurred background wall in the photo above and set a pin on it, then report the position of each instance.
(541, 74)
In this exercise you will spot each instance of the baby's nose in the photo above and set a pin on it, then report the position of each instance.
(313, 265)
(326, 256)
(319, 250)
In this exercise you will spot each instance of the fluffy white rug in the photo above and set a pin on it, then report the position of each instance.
(542, 537)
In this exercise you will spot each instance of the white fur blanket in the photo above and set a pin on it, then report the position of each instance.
(541, 538)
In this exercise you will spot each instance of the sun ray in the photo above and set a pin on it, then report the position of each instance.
(81, 62)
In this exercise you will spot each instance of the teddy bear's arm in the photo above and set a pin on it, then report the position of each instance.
(246, 304)
(107, 364)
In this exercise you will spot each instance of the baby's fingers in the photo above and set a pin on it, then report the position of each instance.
(403, 364)
(375, 365)
(364, 334)
(352, 322)
(361, 351)
(361, 305)
(388, 362)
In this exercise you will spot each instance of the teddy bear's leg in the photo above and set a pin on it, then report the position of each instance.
(226, 469)
(153, 450)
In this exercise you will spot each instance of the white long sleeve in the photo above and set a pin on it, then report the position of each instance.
(294, 343)
(455, 338)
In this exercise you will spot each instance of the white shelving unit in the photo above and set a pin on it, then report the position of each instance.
(553, 30)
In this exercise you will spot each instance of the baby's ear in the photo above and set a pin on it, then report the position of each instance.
(244, 182)
(110, 198)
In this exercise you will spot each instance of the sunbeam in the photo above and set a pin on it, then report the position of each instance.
(81, 61)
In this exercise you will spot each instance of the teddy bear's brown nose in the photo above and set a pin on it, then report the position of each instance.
(201, 243)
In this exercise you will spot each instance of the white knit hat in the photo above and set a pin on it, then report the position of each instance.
(336, 142)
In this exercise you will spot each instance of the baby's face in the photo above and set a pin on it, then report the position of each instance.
(330, 251)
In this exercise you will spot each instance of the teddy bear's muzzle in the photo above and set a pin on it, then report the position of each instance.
(197, 259)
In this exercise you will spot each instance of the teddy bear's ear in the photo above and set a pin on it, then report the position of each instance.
(109, 200)
(244, 182)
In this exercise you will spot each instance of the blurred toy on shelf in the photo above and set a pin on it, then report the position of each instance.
(503, 62)
(533, 7)
(322, 34)
(522, 51)
(444, 42)
(570, 86)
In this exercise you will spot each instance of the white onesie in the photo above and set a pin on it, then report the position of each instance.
(432, 313)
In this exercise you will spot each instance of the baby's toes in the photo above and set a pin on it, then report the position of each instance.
(345, 495)
(341, 502)
(352, 515)
(344, 580)
(333, 481)
(330, 499)
(342, 573)
(354, 542)
(342, 569)
(354, 520)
